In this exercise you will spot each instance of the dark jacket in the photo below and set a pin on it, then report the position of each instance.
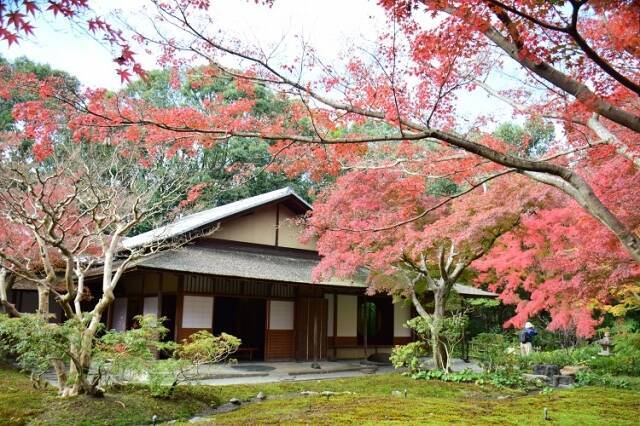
(526, 335)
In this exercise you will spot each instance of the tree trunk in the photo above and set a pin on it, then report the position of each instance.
(61, 373)
(6, 282)
(43, 301)
(439, 353)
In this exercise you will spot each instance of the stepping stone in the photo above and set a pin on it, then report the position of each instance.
(548, 370)
(571, 370)
(560, 380)
(534, 377)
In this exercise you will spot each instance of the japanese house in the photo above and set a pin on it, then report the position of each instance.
(251, 277)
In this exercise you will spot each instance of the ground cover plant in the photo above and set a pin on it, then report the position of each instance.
(427, 402)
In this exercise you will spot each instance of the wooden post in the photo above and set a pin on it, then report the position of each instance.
(335, 325)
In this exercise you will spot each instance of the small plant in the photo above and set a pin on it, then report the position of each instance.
(36, 344)
(198, 349)
(492, 350)
(123, 356)
(466, 376)
(547, 391)
(203, 347)
(587, 377)
(450, 332)
(408, 356)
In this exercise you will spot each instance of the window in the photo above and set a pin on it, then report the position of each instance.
(375, 319)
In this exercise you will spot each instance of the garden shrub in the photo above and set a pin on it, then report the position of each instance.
(34, 343)
(552, 340)
(597, 379)
(408, 356)
(465, 376)
(119, 357)
(198, 349)
(502, 378)
(123, 356)
(203, 347)
(450, 331)
(493, 351)
(616, 364)
(560, 357)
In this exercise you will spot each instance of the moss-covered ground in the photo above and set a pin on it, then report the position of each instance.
(427, 402)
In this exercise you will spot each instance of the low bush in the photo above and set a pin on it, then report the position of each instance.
(493, 351)
(408, 356)
(560, 357)
(616, 364)
(466, 376)
(502, 379)
(596, 379)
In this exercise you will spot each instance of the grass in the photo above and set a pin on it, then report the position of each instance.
(427, 402)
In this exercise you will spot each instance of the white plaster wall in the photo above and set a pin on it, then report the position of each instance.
(258, 227)
(197, 312)
(281, 315)
(347, 315)
(289, 233)
(150, 306)
(401, 314)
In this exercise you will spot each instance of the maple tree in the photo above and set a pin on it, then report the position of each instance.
(449, 60)
(566, 264)
(426, 257)
(66, 208)
(71, 213)
(576, 63)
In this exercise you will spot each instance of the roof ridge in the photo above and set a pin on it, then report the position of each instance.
(196, 220)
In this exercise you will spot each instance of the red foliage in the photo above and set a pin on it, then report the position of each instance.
(563, 259)
(16, 23)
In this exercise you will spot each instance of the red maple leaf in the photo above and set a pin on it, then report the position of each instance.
(55, 8)
(137, 68)
(10, 37)
(95, 24)
(16, 18)
(127, 53)
(124, 74)
(27, 28)
(31, 7)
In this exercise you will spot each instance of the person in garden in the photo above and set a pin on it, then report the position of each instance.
(526, 339)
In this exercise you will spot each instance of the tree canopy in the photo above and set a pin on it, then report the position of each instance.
(386, 121)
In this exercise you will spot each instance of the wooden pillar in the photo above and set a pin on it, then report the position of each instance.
(335, 325)
(179, 305)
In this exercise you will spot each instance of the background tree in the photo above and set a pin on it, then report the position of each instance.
(231, 169)
(75, 210)
(532, 140)
(19, 93)
(356, 223)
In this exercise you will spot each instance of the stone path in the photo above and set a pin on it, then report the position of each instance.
(270, 372)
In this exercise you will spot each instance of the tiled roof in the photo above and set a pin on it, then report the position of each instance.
(239, 263)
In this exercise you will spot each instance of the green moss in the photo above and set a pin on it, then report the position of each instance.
(587, 406)
(427, 402)
(19, 401)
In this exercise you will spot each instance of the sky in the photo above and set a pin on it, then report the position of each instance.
(330, 26)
